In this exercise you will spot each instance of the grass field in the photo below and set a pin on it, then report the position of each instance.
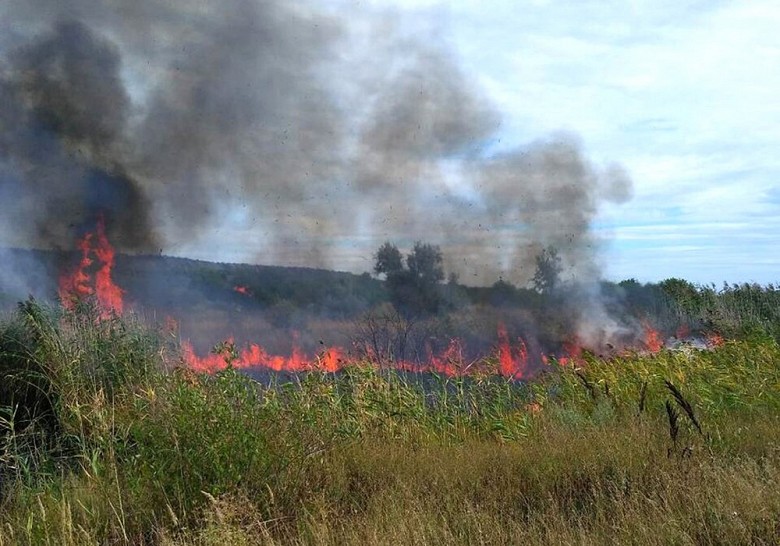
(106, 439)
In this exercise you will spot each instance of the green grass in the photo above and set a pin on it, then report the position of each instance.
(106, 440)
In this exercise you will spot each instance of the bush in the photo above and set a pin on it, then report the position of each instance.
(158, 454)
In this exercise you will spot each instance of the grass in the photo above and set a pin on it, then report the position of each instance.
(106, 439)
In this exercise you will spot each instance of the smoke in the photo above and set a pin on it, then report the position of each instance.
(552, 191)
(62, 115)
(314, 136)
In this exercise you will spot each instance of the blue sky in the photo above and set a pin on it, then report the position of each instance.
(685, 95)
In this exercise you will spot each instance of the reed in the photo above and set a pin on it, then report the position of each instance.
(116, 443)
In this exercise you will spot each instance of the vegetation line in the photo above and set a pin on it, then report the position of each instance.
(105, 437)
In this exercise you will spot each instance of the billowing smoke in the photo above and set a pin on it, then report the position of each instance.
(63, 111)
(310, 137)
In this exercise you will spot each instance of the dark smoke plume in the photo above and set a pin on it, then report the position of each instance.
(63, 114)
(309, 136)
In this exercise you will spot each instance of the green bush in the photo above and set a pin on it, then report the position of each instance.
(142, 450)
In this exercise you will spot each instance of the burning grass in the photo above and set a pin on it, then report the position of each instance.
(115, 442)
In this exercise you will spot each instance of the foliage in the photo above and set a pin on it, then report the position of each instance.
(425, 263)
(389, 260)
(145, 451)
(548, 270)
(414, 289)
(738, 310)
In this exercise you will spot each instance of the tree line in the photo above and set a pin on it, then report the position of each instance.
(414, 281)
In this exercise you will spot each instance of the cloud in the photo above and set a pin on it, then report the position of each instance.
(683, 94)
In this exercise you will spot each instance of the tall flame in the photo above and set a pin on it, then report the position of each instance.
(513, 366)
(83, 282)
(653, 340)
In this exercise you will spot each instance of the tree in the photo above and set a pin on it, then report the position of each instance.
(548, 270)
(425, 263)
(414, 289)
(388, 260)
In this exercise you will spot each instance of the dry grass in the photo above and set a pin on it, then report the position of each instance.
(369, 457)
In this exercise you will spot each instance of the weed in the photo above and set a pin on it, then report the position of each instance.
(101, 443)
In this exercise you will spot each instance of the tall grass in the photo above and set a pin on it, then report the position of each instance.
(107, 439)
(735, 310)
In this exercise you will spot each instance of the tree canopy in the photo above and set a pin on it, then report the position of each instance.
(548, 270)
(414, 283)
(388, 260)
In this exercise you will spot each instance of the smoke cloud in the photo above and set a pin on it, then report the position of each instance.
(316, 136)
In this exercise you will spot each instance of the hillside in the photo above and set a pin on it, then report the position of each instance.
(181, 284)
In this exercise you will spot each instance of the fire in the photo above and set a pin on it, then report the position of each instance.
(254, 356)
(715, 340)
(513, 361)
(683, 331)
(533, 408)
(77, 285)
(93, 278)
(84, 282)
(653, 341)
(572, 353)
(515, 365)
(448, 362)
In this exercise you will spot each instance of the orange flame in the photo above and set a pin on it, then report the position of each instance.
(80, 283)
(448, 362)
(513, 362)
(243, 290)
(87, 280)
(254, 356)
(653, 341)
(683, 331)
(572, 356)
(715, 340)
(511, 366)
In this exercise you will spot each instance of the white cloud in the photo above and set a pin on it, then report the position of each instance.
(685, 95)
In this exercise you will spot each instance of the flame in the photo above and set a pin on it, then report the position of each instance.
(715, 340)
(572, 353)
(683, 331)
(93, 278)
(653, 340)
(511, 366)
(448, 362)
(254, 356)
(76, 285)
(533, 408)
(83, 282)
(513, 362)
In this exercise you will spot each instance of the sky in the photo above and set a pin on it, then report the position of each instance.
(638, 137)
(685, 95)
